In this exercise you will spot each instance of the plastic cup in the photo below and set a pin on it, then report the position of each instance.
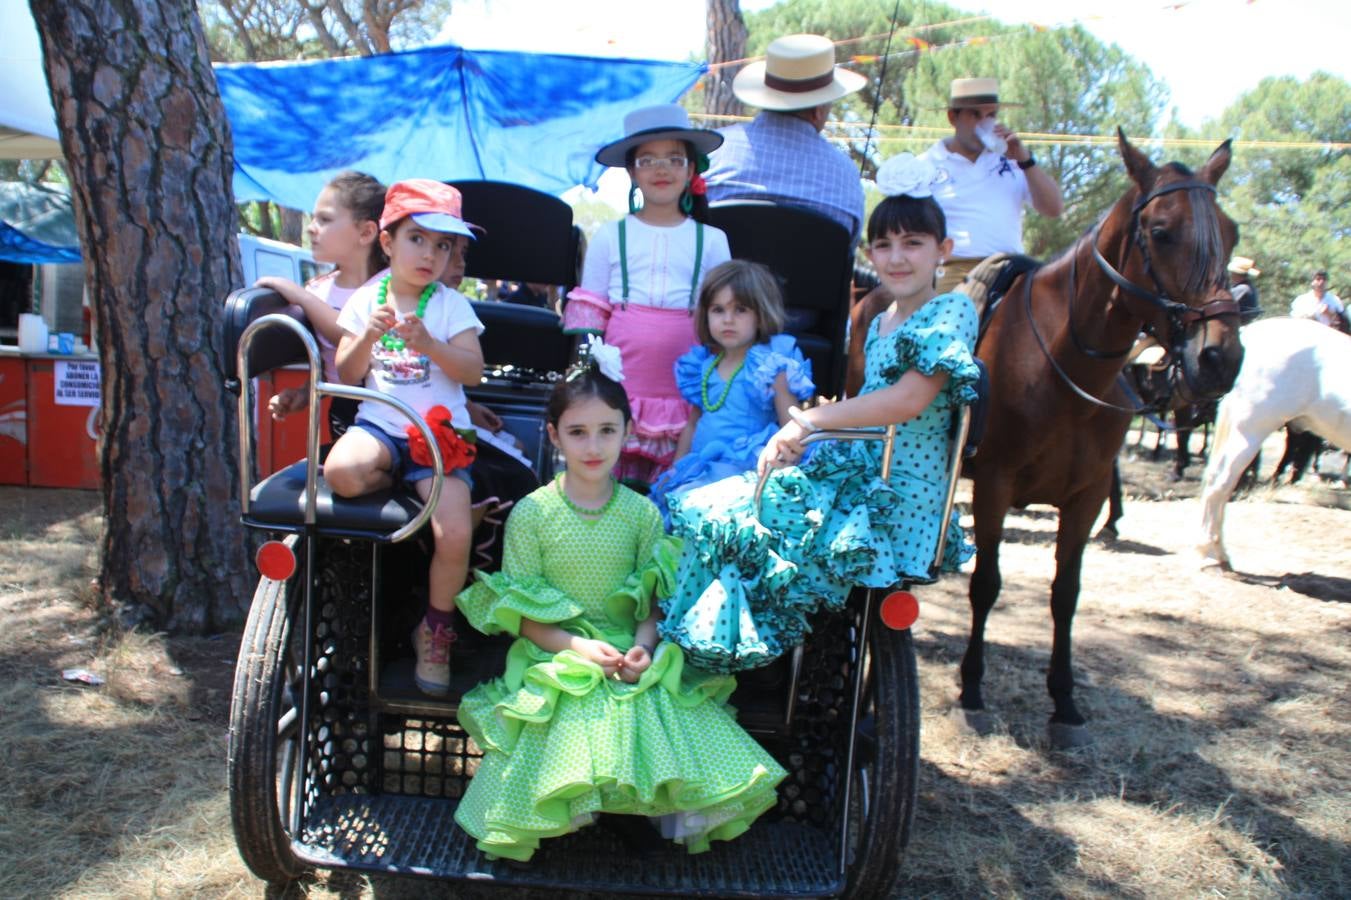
(993, 142)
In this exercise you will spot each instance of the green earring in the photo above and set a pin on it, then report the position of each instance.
(686, 202)
(633, 198)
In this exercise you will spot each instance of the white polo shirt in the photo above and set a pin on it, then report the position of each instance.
(983, 201)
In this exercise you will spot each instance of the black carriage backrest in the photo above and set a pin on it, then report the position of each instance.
(275, 347)
(522, 336)
(529, 235)
(814, 259)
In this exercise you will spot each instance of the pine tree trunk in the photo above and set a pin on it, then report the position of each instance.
(726, 42)
(148, 151)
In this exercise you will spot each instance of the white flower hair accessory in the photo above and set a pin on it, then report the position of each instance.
(605, 357)
(906, 173)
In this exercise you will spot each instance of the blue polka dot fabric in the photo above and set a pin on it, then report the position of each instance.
(748, 580)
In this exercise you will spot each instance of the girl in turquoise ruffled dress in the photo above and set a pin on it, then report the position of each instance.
(592, 714)
(741, 379)
(746, 583)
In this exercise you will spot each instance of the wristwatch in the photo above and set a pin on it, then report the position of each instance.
(1028, 163)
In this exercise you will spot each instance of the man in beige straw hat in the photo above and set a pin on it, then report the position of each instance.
(780, 155)
(984, 177)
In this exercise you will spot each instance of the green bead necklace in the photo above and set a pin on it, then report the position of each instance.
(393, 341)
(582, 510)
(710, 406)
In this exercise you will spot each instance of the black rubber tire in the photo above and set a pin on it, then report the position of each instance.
(264, 734)
(886, 777)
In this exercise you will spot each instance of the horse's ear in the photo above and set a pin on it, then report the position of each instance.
(1141, 170)
(1218, 163)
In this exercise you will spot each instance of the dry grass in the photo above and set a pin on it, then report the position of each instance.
(1220, 709)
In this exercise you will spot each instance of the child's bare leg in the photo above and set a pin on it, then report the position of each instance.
(452, 528)
(357, 464)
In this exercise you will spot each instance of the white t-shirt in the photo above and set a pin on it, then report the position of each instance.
(982, 201)
(406, 374)
(1307, 306)
(660, 258)
(325, 287)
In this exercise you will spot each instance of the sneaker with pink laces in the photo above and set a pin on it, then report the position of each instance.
(432, 649)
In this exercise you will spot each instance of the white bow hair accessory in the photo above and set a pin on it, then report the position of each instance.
(605, 357)
(906, 173)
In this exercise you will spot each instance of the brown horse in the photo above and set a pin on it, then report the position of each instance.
(1055, 347)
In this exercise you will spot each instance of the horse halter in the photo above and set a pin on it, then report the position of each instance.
(1180, 315)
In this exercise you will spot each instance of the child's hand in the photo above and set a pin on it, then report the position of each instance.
(273, 283)
(784, 448)
(602, 654)
(382, 320)
(636, 662)
(285, 402)
(481, 416)
(414, 333)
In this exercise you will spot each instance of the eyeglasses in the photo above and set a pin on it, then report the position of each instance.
(673, 162)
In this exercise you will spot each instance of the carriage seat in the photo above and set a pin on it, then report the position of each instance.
(278, 503)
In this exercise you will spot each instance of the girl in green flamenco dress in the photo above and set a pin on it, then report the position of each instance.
(594, 715)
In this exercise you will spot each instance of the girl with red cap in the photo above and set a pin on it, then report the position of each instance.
(411, 337)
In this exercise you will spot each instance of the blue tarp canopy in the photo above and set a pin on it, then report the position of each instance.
(36, 224)
(438, 112)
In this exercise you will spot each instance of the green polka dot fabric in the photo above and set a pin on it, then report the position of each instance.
(561, 742)
(747, 582)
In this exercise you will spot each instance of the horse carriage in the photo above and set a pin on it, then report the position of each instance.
(336, 760)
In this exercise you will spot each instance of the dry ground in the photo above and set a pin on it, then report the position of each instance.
(1219, 705)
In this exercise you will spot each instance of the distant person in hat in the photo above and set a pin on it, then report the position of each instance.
(641, 277)
(985, 176)
(1242, 271)
(1319, 303)
(780, 155)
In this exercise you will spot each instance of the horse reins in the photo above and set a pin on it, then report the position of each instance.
(1179, 315)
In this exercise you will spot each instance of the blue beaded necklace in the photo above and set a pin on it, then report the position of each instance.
(393, 341)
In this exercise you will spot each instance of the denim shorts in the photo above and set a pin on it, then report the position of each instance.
(402, 466)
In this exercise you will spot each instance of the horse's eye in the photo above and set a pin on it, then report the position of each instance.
(1159, 235)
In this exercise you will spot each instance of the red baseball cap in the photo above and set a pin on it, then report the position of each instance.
(431, 204)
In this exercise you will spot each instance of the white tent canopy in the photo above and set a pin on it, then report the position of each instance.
(27, 125)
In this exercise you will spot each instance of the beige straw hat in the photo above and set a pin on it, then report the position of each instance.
(798, 72)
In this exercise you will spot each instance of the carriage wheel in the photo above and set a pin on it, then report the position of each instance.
(886, 763)
(265, 734)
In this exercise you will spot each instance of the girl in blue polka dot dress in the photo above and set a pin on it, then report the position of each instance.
(594, 715)
(746, 585)
(741, 379)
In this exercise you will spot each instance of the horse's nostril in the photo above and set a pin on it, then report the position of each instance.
(1211, 358)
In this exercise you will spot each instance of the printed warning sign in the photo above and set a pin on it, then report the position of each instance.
(77, 383)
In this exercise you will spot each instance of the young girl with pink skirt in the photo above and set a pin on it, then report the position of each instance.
(642, 275)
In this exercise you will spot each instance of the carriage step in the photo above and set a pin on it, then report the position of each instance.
(418, 836)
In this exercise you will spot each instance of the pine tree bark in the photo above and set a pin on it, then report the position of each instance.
(148, 151)
(726, 42)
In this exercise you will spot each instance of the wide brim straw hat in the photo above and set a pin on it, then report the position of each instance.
(965, 93)
(1242, 265)
(667, 122)
(798, 72)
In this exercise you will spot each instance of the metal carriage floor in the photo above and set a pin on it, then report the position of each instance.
(418, 836)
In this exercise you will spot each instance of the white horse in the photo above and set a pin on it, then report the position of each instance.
(1294, 371)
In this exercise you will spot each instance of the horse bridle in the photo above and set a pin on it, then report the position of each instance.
(1179, 315)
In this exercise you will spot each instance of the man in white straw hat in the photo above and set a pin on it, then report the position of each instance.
(780, 155)
(985, 176)
(1242, 271)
